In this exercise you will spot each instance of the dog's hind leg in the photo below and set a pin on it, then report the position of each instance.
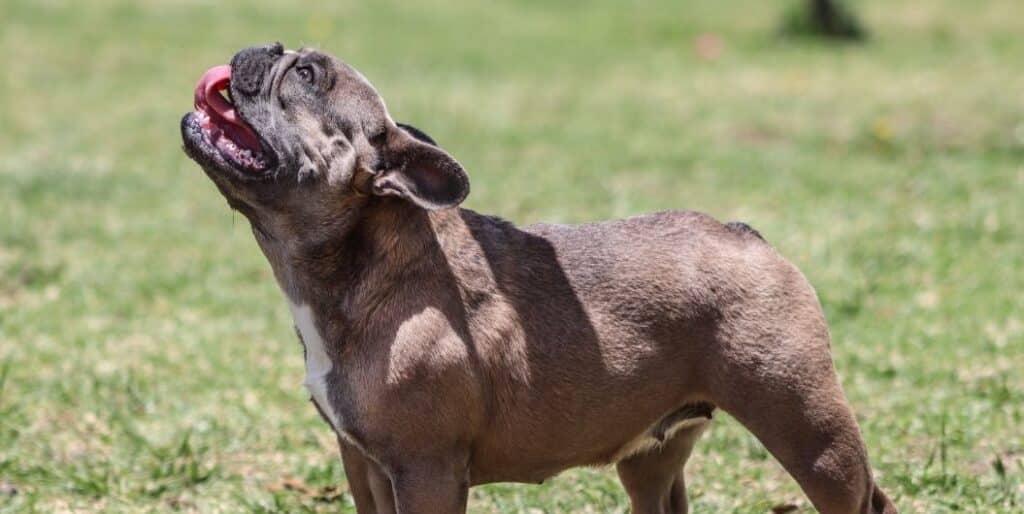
(778, 380)
(654, 478)
(813, 434)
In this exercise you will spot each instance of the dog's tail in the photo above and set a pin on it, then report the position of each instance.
(739, 227)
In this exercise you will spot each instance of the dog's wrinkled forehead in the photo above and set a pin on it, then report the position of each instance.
(350, 99)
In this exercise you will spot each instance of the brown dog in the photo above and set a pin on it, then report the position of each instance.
(449, 349)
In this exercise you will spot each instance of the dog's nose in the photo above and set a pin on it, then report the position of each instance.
(250, 66)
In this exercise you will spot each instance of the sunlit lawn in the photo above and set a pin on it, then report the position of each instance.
(147, 360)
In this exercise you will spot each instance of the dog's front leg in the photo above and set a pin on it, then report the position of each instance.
(370, 487)
(431, 486)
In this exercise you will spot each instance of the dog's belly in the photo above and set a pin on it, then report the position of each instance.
(656, 436)
(530, 467)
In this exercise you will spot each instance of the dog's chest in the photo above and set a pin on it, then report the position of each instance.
(318, 363)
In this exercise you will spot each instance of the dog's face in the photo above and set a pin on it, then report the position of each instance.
(301, 140)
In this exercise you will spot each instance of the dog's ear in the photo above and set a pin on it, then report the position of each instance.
(418, 134)
(420, 173)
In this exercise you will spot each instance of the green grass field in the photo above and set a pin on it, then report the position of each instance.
(147, 359)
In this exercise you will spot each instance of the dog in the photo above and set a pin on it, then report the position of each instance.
(448, 349)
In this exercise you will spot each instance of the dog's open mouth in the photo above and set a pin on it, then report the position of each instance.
(221, 125)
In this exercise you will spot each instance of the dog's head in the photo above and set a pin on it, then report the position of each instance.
(301, 139)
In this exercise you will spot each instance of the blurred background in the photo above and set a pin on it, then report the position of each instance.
(147, 360)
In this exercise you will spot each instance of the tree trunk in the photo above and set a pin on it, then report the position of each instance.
(830, 18)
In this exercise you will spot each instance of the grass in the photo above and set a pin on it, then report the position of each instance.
(147, 360)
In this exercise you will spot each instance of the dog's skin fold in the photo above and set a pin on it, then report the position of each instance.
(448, 348)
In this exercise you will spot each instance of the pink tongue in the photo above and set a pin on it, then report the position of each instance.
(209, 100)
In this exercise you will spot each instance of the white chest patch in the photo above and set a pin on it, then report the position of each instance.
(318, 364)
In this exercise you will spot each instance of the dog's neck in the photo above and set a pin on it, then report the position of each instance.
(387, 240)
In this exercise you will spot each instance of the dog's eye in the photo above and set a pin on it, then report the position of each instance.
(305, 73)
